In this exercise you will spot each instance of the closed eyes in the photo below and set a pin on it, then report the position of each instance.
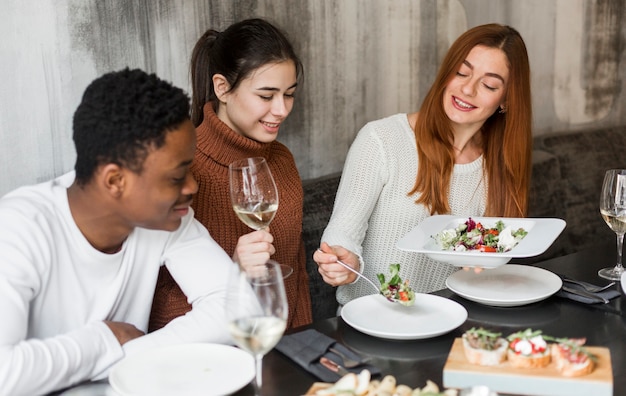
(489, 87)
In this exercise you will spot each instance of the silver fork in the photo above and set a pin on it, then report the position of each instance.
(346, 266)
(589, 287)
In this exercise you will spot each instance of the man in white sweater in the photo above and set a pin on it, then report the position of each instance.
(80, 254)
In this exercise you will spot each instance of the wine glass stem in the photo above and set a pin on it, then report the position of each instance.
(258, 381)
(620, 244)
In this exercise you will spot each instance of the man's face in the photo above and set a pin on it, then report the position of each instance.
(159, 196)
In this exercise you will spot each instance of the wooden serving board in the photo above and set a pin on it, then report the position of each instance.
(317, 386)
(459, 373)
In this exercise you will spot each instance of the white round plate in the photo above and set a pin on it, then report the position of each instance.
(188, 369)
(430, 316)
(506, 286)
(90, 389)
(541, 234)
(623, 282)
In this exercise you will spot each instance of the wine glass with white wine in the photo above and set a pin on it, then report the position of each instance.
(254, 195)
(613, 211)
(256, 308)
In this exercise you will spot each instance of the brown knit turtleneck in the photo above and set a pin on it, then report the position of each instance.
(218, 146)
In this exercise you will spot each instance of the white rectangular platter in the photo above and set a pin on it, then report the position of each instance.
(459, 373)
(541, 234)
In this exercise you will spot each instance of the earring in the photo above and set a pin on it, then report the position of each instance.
(502, 110)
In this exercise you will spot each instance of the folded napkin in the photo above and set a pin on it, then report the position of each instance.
(608, 294)
(308, 346)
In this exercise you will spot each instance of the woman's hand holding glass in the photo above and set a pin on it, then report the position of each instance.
(254, 249)
(254, 197)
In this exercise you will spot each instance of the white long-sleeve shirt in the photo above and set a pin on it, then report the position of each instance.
(373, 209)
(56, 290)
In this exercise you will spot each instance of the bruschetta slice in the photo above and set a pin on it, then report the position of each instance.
(528, 349)
(571, 358)
(484, 347)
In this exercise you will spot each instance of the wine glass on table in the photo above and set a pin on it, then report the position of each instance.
(613, 211)
(254, 195)
(256, 308)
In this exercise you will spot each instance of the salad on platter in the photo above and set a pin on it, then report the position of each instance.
(471, 235)
(395, 288)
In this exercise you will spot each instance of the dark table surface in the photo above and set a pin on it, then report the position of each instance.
(414, 362)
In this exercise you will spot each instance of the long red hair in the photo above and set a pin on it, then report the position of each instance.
(506, 137)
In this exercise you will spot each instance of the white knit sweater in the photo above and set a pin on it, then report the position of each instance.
(373, 210)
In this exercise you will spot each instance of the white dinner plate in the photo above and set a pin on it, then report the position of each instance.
(541, 234)
(90, 389)
(623, 282)
(430, 316)
(507, 286)
(188, 369)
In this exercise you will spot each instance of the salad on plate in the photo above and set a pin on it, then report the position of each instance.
(472, 235)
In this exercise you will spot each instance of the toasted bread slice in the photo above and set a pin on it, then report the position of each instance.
(485, 357)
(571, 364)
(528, 349)
(535, 360)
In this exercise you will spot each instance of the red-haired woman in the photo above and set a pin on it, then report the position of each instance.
(467, 152)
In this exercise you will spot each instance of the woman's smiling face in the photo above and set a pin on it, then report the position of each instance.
(478, 88)
(261, 102)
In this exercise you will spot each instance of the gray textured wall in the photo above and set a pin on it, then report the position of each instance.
(364, 59)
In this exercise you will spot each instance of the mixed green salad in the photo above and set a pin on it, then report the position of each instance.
(395, 288)
(471, 235)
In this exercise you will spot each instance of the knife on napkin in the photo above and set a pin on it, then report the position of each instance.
(332, 366)
(594, 297)
(306, 348)
(578, 293)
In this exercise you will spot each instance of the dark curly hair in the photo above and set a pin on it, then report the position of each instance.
(121, 116)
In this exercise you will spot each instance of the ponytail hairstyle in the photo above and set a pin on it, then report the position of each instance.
(235, 53)
(506, 136)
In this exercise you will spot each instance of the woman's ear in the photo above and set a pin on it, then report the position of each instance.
(221, 87)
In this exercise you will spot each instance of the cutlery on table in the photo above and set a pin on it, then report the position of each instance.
(588, 286)
(360, 275)
(584, 293)
(332, 366)
(347, 362)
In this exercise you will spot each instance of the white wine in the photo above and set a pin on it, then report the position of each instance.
(616, 223)
(257, 335)
(256, 216)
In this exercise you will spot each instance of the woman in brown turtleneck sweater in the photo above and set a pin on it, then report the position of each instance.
(243, 82)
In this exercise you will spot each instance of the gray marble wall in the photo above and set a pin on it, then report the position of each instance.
(364, 59)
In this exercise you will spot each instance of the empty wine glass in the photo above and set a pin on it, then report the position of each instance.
(613, 211)
(254, 195)
(256, 308)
